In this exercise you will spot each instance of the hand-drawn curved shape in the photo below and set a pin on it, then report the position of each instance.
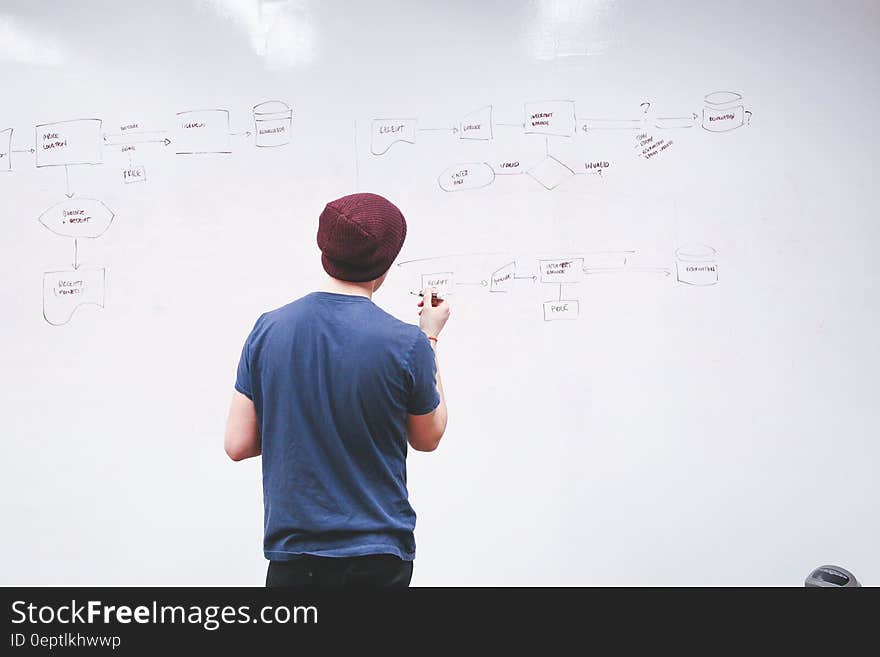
(201, 132)
(501, 279)
(273, 120)
(477, 124)
(6, 149)
(696, 264)
(724, 111)
(65, 291)
(384, 133)
(68, 143)
(550, 117)
(78, 217)
(467, 175)
(550, 172)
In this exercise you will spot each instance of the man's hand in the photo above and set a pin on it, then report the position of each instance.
(425, 431)
(433, 316)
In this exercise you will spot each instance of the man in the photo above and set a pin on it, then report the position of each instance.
(329, 390)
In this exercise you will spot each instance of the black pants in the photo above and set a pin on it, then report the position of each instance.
(372, 571)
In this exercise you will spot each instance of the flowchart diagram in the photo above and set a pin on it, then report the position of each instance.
(722, 111)
(83, 142)
(695, 265)
(81, 218)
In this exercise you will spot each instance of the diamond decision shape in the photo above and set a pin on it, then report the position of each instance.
(550, 172)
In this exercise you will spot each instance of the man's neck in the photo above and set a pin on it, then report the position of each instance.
(347, 287)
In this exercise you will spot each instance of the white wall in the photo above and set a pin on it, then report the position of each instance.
(672, 434)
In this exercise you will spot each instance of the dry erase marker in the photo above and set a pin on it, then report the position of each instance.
(434, 298)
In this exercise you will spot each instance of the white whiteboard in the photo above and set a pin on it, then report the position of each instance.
(657, 224)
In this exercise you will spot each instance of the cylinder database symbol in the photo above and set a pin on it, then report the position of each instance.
(272, 123)
(696, 264)
(723, 111)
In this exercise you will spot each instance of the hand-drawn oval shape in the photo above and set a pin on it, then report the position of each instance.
(78, 217)
(467, 175)
(696, 253)
(723, 98)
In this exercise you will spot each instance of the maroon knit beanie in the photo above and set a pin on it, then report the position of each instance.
(359, 236)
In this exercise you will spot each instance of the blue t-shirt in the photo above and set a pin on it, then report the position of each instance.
(333, 377)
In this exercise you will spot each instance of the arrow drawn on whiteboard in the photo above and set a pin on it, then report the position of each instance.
(671, 122)
(75, 253)
(693, 117)
(68, 193)
(142, 137)
(451, 255)
(626, 270)
(164, 141)
(610, 124)
(578, 254)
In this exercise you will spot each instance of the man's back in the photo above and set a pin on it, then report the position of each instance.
(333, 379)
(330, 390)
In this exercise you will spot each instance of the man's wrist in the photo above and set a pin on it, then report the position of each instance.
(432, 339)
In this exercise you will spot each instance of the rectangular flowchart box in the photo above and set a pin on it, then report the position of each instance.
(550, 117)
(202, 131)
(442, 282)
(564, 270)
(563, 309)
(69, 143)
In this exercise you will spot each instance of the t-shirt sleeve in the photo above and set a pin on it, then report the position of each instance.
(423, 397)
(243, 377)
